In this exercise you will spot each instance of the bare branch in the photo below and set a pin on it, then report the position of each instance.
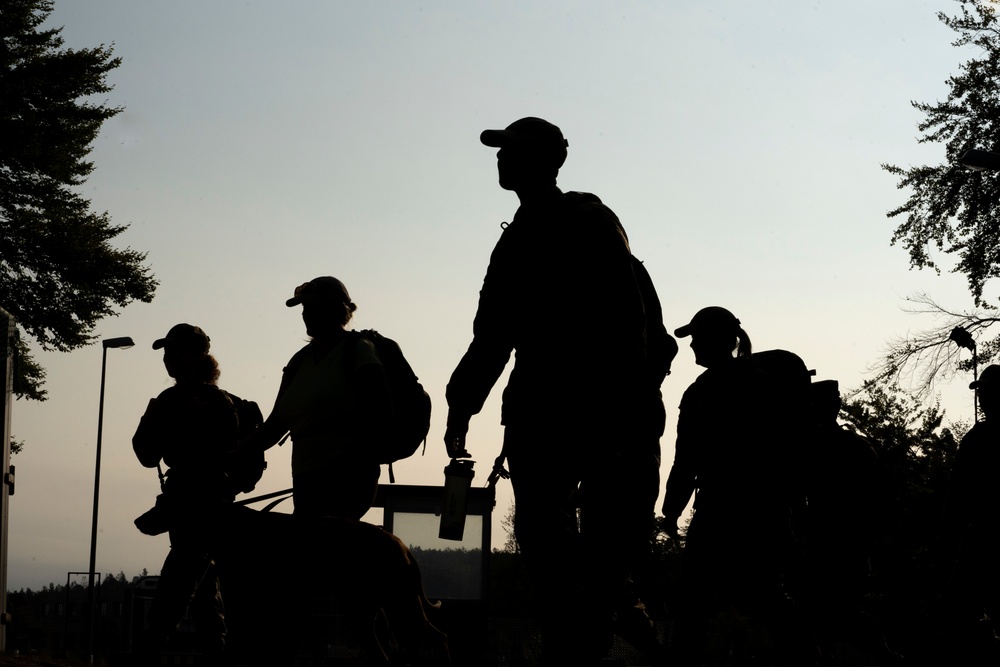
(918, 362)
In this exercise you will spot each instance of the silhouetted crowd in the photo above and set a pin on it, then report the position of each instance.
(787, 503)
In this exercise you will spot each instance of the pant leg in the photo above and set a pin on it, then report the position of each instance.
(545, 483)
(209, 612)
(182, 573)
(617, 503)
(192, 541)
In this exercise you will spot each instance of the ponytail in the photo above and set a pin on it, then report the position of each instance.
(744, 349)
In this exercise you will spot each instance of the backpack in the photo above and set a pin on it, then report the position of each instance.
(660, 346)
(245, 466)
(411, 419)
(783, 387)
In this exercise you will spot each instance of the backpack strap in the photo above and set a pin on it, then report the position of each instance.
(350, 356)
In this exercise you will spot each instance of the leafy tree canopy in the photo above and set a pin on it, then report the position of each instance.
(954, 210)
(59, 273)
(951, 208)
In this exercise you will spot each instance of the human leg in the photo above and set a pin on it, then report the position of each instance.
(180, 577)
(545, 525)
(617, 503)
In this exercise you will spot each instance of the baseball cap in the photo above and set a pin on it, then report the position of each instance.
(990, 377)
(531, 133)
(184, 336)
(324, 288)
(712, 318)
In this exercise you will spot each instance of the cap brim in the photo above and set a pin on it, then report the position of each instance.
(159, 343)
(496, 138)
(684, 331)
(294, 301)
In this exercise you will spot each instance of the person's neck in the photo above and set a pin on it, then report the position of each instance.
(537, 193)
(327, 340)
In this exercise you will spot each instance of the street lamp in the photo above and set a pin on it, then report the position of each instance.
(961, 337)
(122, 343)
(978, 160)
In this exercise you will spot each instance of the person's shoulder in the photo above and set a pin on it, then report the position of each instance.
(587, 203)
(980, 435)
(582, 198)
(213, 394)
(172, 395)
(365, 351)
(703, 384)
(296, 359)
(168, 392)
(589, 212)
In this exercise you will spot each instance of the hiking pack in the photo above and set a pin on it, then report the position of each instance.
(411, 405)
(246, 465)
(660, 346)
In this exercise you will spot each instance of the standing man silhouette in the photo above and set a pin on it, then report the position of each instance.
(560, 291)
(972, 516)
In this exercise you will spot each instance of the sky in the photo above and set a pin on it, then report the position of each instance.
(262, 144)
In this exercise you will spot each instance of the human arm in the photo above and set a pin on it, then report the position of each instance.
(149, 442)
(268, 435)
(680, 486)
(454, 435)
(487, 356)
(682, 480)
(274, 430)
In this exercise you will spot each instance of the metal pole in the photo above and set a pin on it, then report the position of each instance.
(6, 469)
(93, 526)
(975, 378)
(124, 342)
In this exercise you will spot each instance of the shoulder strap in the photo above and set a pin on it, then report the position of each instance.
(289, 370)
(350, 356)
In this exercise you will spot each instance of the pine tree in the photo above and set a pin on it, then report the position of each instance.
(59, 273)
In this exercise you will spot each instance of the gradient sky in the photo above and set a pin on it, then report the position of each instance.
(263, 144)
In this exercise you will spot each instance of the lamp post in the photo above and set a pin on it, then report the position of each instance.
(961, 337)
(122, 343)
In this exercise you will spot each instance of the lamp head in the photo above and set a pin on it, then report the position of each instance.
(979, 160)
(123, 342)
(961, 337)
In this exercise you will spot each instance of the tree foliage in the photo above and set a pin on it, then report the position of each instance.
(59, 272)
(951, 208)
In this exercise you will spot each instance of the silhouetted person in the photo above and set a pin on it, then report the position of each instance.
(728, 451)
(191, 427)
(560, 292)
(335, 402)
(847, 507)
(973, 517)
